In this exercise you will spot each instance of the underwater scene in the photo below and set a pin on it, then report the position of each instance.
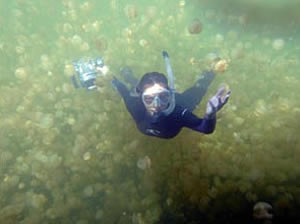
(71, 153)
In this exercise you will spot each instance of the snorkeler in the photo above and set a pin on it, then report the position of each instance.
(160, 111)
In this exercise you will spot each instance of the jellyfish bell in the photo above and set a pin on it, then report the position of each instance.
(131, 11)
(69, 70)
(100, 43)
(96, 26)
(144, 163)
(217, 64)
(84, 46)
(85, 7)
(262, 211)
(76, 40)
(20, 49)
(181, 4)
(21, 73)
(143, 43)
(151, 12)
(278, 44)
(195, 27)
(221, 66)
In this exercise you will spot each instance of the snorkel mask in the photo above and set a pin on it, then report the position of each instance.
(158, 99)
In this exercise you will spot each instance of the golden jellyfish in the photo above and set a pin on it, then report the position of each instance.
(144, 163)
(151, 12)
(131, 11)
(278, 44)
(21, 73)
(221, 66)
(143, 43)
(85, 7)
(87, 156)
(262, 211)
(69, 70)
(195, 27)
(101, 43)
(181, 4)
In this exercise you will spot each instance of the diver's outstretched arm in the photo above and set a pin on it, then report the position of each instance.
(205, 125)
(192, 96)
(121, 88)
(130, 101)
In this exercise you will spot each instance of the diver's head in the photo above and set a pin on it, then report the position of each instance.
(155, 93)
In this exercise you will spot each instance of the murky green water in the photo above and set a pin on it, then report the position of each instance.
(72, 156)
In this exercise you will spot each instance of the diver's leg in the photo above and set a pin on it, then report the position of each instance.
(191, 97)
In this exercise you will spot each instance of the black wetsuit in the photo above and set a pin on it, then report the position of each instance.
(169, 126)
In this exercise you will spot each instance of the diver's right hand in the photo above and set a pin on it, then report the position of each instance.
(217, 102)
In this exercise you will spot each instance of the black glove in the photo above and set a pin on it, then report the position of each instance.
(217, 102)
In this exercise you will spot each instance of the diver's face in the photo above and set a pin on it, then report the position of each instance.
(156, 98)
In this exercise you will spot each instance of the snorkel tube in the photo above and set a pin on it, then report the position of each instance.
(171, 83)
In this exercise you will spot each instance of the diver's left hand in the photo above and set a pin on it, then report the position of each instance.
(217, 102)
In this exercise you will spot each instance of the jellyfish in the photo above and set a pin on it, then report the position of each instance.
(131, 11)
(262, 211)
(278, 44)
(195, 27)
(144, 163)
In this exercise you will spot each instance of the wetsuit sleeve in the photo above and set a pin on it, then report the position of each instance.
(205, 125)
(130, 101)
